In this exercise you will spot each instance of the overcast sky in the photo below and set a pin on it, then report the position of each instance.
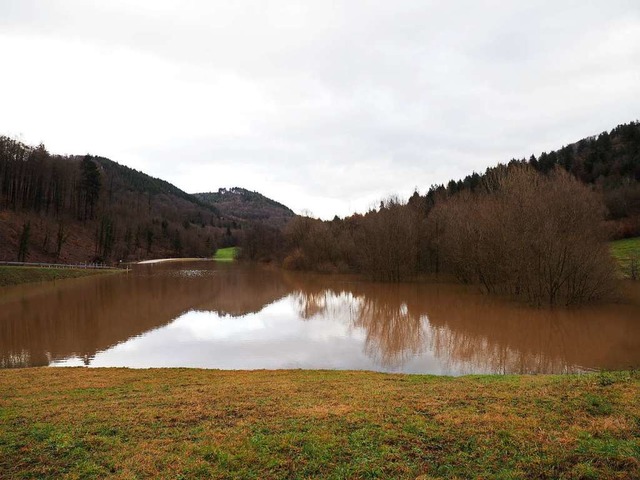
(326, 106)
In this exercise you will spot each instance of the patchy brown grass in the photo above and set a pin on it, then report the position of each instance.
(183, 423)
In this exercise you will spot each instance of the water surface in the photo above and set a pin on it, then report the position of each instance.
(234, 316)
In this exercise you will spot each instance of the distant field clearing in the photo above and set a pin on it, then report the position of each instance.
(627, 254)
(226, 254)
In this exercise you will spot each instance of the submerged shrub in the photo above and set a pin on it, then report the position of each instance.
(539, 237)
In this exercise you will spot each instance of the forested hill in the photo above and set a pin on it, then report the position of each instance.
(609, 161)
(85, 208)
(130, 179)
(241, 204)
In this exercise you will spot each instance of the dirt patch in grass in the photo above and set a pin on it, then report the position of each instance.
(181, 423)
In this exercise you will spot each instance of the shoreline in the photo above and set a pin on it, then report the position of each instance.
(165, 260)
(17, 275)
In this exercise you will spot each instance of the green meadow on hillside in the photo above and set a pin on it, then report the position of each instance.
(626, 252)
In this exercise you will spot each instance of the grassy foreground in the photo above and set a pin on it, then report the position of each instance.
(226, 254)
(182, 423)
(16, 275)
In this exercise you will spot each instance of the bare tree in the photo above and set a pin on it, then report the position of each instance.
(531, 235)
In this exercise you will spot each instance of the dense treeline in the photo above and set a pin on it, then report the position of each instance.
(31, 179)
(609, 161)
(85, 208)
(537, 236)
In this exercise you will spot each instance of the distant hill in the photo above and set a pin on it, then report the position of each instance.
(610, 162)
(243, 205)
(86, 208)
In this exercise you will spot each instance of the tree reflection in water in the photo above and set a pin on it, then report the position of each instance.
(394, 329)
(400, 327)
(472, 333)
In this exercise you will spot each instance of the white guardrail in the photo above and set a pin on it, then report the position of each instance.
(60, 265)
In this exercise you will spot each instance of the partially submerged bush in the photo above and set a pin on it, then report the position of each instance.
(539, 237)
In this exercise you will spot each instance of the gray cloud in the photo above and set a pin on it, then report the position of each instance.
(322, 105)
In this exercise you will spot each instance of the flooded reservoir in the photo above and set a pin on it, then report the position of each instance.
(233, 316)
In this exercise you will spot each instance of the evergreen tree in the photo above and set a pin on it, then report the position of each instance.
(90, 184)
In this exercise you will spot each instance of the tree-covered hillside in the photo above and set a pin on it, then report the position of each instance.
(85, 208)
(609, 162)
(243, 205)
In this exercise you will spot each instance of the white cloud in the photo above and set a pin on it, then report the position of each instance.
(323, 106)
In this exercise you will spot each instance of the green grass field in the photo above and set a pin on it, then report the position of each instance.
(226, 254)
(11, 275)
(624, 251)
(186, 423)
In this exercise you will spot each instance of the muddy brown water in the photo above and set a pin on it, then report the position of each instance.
(234, 316)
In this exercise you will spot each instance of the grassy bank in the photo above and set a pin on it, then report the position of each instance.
(16, 275)
(226, 254)
(624, 251)
(176, 423)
